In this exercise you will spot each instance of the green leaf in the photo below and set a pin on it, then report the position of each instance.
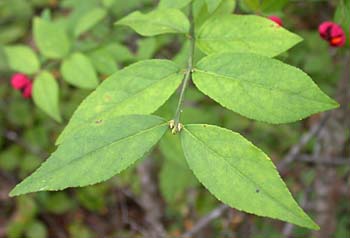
(119, 52)
(173, 166)
(22, 58)
(11, 33)
(103, 61)
(36, 229)
(11, 159)
(95, 153)
(146, 48)
(51, 39)
(173, 3)
(140, 88)
(239, 174)
(212, 5)
(266, 6)
(45, 94)
(174, 190)
(260, 88)
(79, 71)
(239, 33)
(157, 22)
(201, 12)
(89, 19)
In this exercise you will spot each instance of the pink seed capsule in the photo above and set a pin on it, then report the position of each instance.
(276, 19)
(333, 33)
(27, 91)
(19, 81)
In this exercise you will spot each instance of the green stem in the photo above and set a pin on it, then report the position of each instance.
(188, 74)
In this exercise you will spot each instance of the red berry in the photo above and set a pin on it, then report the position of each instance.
(19, 81)
(27, 91)
(276, 19)
(333, 33)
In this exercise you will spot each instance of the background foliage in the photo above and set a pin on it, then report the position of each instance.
(61, 44)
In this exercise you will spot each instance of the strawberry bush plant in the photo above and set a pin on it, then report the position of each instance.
(231, 58)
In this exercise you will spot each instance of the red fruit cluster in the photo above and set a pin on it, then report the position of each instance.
(276, 19)
(21, 82)
(333, 33)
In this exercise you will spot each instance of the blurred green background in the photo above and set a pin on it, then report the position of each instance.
(114, 208)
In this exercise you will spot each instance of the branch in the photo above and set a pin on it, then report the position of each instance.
(296, 149)
(324, 160)
(149, 199)
(176, 122)
(203, 222)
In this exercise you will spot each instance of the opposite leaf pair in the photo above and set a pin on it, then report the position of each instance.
(223, 161)
(109, 142)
